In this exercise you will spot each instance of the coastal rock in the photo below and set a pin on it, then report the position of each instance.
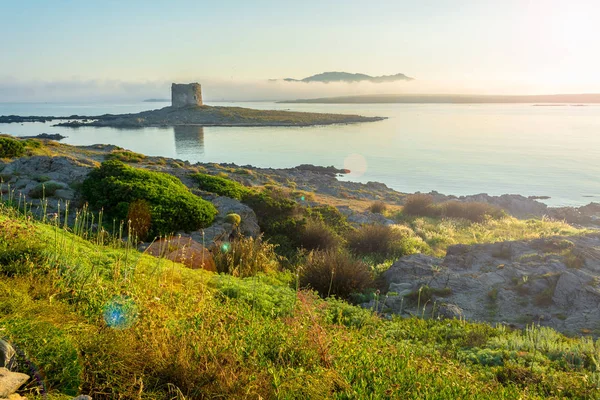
(47, 136)
(183, 250)
(225, 205)
(7, 355)
(550, 281)
(449, 311)
(61, 169)
(10, 382)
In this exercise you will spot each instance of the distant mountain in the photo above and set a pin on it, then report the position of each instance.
(327, 77)
(156, 100)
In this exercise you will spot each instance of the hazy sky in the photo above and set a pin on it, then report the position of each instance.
(69, 49)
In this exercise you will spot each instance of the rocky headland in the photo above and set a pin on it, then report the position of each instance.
(553, 281)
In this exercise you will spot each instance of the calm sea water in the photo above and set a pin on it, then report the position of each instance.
(454, 149)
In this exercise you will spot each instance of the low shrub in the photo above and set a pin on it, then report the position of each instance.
(233, 219)
(316, 235)
(220, 185)
(125, 156)
(383, 241)
(114, 185)
(45, 189)
(331, 216)
(378, 207)
(573, 259)
(472, 211)
(10, 148)
(139, 216)
(246, 257)
(420, 205)
(279, 217)
(335, 273)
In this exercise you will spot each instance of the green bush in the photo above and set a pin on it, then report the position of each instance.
(381, 242)
(10, 148)
(420, 205)
(233, 219)
(279, 217)
(331, 216)
(45, 189)
(220, 185)
(315, 235)
(472, 211)
(378, 207)
(335, 273)
(125, 156)
(114, 185)
(246, 257)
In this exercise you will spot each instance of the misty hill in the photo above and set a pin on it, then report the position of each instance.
(456, 98)
(327, 77)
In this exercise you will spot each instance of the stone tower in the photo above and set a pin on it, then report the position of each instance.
(183, 95)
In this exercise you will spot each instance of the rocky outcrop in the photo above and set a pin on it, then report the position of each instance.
(10, 382)
(182, 250)
(7, 355)
(514, 204)
(550, 281)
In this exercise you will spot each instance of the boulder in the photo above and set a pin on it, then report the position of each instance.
(449, 311)
(183, 250)
(7, 355)
(10, 382)
(225, 205)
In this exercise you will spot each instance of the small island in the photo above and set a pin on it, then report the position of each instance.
(187, 108)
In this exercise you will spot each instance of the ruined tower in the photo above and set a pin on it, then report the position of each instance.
(186, 94)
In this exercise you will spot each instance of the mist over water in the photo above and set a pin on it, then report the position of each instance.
(454, 149)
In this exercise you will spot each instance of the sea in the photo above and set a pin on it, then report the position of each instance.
(457, 149)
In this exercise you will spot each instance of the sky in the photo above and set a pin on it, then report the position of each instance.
(117, 49)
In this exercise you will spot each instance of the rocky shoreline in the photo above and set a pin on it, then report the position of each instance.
(552, 281)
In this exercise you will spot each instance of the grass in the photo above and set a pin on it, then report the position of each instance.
(439, 233)
(105, 320)
(125, 156)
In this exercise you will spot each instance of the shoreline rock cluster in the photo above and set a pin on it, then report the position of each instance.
(553, 282)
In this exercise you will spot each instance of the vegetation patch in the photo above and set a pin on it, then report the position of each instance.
(246, 257)
(10, 148)
(125, 156)
(114, 186)
(45, 189)
(378, 207)
(221, 186)
(335, 273)
(422, 205)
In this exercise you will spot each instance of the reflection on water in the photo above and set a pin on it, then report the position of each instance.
(189, 141)
(451, 148)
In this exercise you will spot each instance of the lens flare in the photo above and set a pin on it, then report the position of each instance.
(225, 247)
(120, 313)
(357, 164)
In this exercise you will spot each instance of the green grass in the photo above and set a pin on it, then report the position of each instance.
(440, 233)
(221, 186)
(192, 334)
